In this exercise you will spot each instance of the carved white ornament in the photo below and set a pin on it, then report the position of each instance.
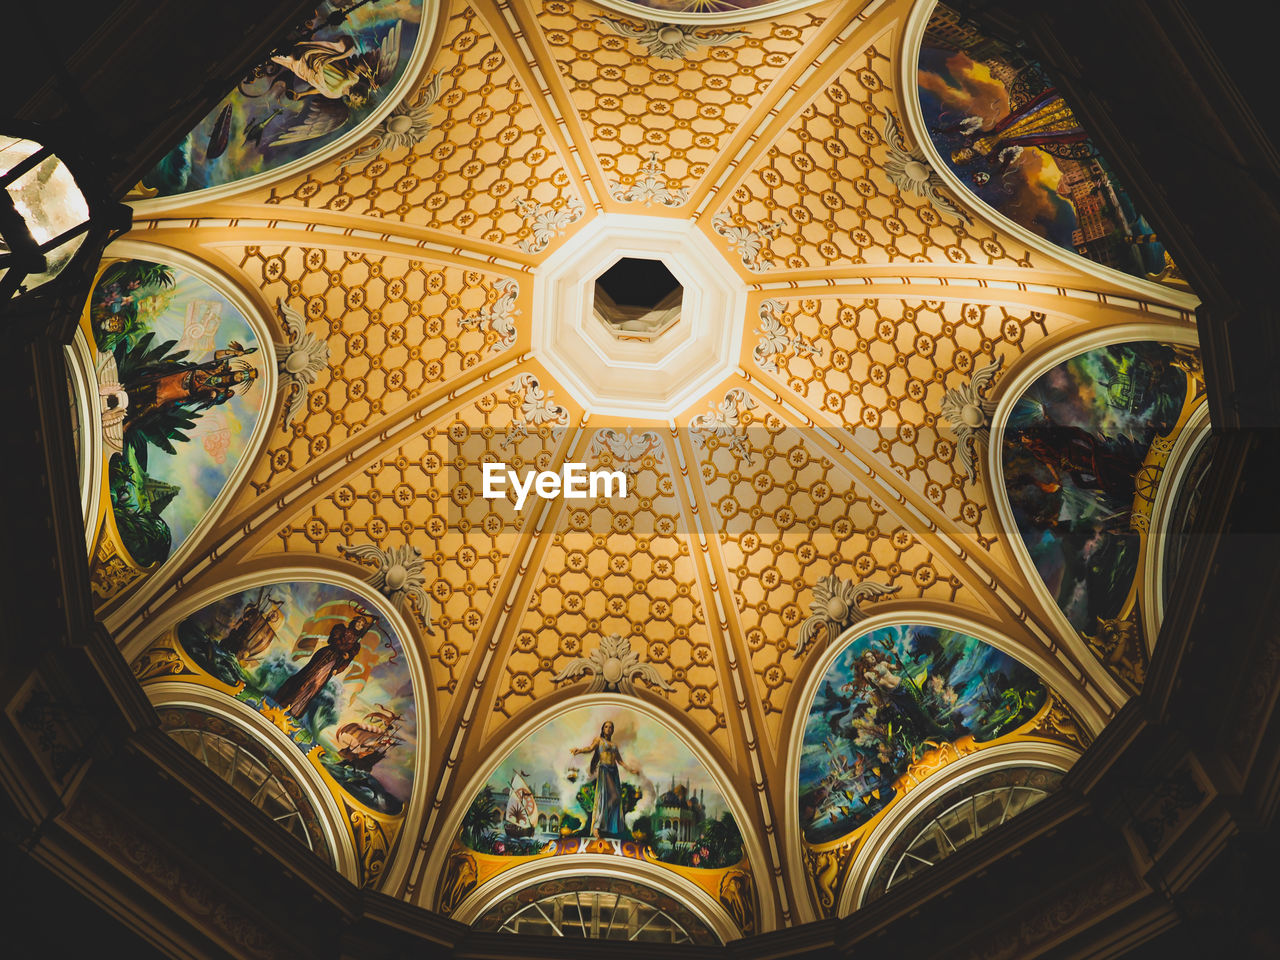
(909, 170)
(748, 241)
(836, 606)
(535, 408)
(299, 361)
(613, 666)
(650, 187)
(775, 339)
(669, 41)
(723, 423)
(968, 414)
(500, 318)
(397, 575)
(405, 126)
(626, 449)
(545, 222)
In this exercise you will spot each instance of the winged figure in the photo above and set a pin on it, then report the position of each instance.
(613, 666)
(342, 78)
(836, 605)
(300, 360)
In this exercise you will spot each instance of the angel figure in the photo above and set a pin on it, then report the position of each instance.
(341, 78)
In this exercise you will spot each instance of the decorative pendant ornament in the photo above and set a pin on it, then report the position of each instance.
(397, 575)
(968, 414)
(613, 666)
(835, 607)
(299, 360)
(910, 171)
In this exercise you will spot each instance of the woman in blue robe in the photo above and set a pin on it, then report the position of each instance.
(606, 812)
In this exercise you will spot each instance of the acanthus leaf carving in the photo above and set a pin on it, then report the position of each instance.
(968, 413)
(500, 318)
(749, 241)
(626, 449)
(545, 222)
(535, 408)
(776, 340)
(669, 41)
(650, 187)
(299, 360)
(398, 574)
(835, 607)
(613, 666)
(405, 126)
(908, 169)
(724, 423)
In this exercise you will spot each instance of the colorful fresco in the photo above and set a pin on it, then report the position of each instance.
(999, 123)
(609, 773)
(329, 75)
(1074, 453)
(179, 371)
(889, 697)
(324, 666)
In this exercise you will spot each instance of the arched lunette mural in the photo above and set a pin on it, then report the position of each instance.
(1082, 456)
(892, 708)
(183, 382)
(603, 780)
(892, 696)
(1002, 127)
(326, 666)
(327, 79)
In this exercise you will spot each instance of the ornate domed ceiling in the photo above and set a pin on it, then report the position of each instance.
(887, 490)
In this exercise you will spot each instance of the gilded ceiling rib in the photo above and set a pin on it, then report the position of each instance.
(514, 28)
(238, 534)
(493, 638)
(973, 568)
(748, 716)
(841, 40)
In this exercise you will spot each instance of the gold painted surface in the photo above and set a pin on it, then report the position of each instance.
(542, 110)
(681, 107)
(487, 148)
(823, 179)
(884, 366)
(393, 327)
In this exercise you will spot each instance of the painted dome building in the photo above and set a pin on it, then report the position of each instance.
(722, 477)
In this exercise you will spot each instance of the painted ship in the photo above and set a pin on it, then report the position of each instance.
(362, 743)
(521, 818)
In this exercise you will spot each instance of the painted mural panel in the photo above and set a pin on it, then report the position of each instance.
(610, 774)
(1000, 124)
(1081, 470)
(321, 664)
(329, 75)
(179, 372)
(892, 695)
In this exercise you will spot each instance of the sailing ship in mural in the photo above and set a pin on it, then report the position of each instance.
(178, 370)
(607, 774)
(1075, 453)
(1002, 126)
(328, 670)
(331, 73)
(891, 695)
